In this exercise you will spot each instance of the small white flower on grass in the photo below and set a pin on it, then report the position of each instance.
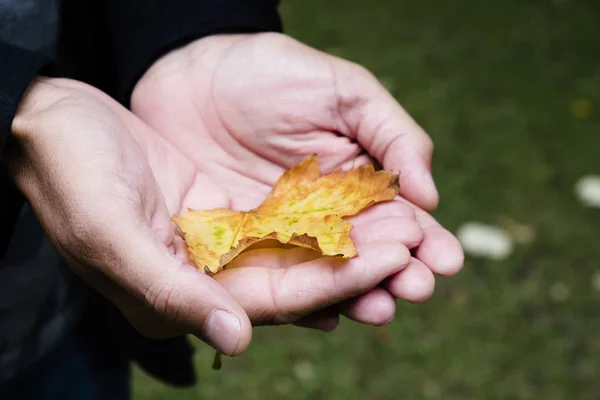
(484, 240)
(587, 190)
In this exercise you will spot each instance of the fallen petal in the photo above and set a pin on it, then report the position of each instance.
(483, 240)
(587, 190)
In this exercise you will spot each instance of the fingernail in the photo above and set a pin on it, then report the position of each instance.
(222, 331)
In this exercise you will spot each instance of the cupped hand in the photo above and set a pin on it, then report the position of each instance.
(243, 108)
(104, 186)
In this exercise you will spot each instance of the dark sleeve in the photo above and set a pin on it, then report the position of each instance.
(132, 34)
(17, 69)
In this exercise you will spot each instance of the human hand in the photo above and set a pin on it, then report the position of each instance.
(244, 108)
(104, 187)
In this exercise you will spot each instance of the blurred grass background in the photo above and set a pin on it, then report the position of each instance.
(507, 90)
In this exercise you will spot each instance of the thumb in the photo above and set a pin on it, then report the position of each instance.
(387, 132)
(163, 297)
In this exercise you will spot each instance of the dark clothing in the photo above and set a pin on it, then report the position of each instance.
(109, 44)
(75, 369)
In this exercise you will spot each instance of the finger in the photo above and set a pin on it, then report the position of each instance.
(388, 133)
(286, 295)
(440, 250)
(415, 283)
(376, 307)
(394, 208)
(404, 230)
(325, 320)
(163, 297)
(390, 221)
(98, 214)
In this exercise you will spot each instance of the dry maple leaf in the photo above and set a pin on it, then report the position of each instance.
(304, 208)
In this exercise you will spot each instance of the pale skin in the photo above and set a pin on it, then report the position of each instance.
(216, 122)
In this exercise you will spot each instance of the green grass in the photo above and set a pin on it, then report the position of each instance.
(493, 83)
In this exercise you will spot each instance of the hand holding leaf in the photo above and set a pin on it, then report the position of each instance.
(304, 209)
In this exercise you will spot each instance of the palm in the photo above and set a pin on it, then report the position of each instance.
(243, 131)
(242, 184)
(243, 109)
(257, 288)
(167, 183)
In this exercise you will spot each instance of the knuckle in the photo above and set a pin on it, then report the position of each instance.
(279, 313)
(404, 210)
(403, 257)
(274, 313)
(165, 300)
(415, 234)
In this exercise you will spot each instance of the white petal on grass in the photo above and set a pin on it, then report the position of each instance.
(587, 190)
(483, 240)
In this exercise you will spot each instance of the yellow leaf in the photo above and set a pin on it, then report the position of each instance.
(304, 209)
